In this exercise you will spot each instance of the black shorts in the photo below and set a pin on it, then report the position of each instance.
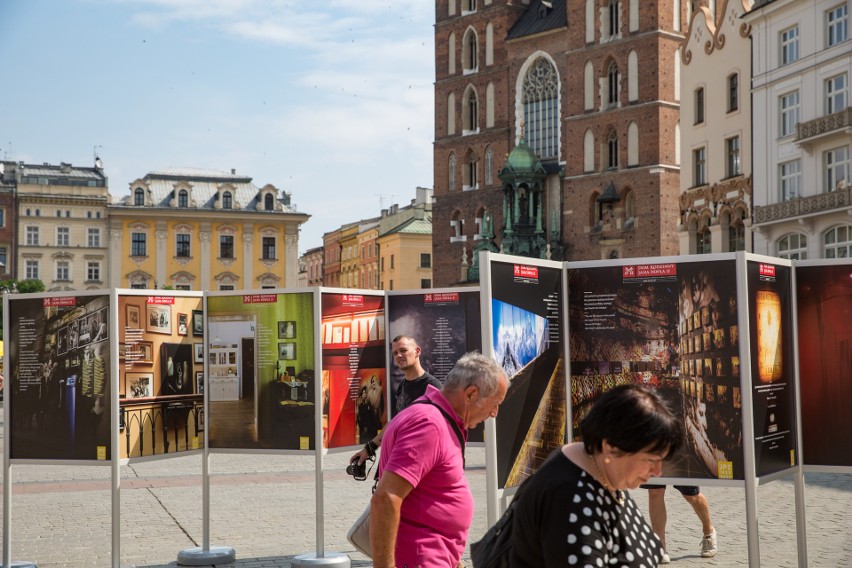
(688, 490)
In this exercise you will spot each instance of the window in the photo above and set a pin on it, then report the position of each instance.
(425, 260)
(732, 154)
(789, 45)
(702, 242)
(472, 112)
(472, 180)
(612, 151)
(182, 245)
(391, 261)
(699, 105)
(733, 92)
(183, 198)
(226, 246)
(451, 173)
(789, 105)
(268, 202)
(32, 235)
(736, 233)
(227, 200)
(58, 213)
(391, 285)
(138, 285)
(63, 270)
(837, 27)
(138, 196)
(63, 236)
(94, 239)
(425, 283)
(4, 266)
(835, 94)
(68, 214)
(793, 246)
(93, 271)
(698, 160)
(540, 99)
(226, 286)
(612, 84)
(88, 214)
(790, 177)
(613, 17)
(268, 248)
(837, 242)
(138, 244)
(31, 270)
(835, 167)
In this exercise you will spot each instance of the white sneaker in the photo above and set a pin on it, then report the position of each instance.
(665, 559)
(708, 545)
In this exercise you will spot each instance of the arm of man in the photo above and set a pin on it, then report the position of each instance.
(385, 508)
(362, 455)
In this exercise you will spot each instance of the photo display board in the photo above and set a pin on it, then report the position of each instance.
(527, 341)
(161, 372)
(60, 386)
(445, 323)
(772, 374)
(824, 305)
(673, 326)
(261, 376)
(353, 367)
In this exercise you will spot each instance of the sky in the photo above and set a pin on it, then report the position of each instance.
(331, 101)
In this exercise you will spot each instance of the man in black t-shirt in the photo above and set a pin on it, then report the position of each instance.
(406, 355)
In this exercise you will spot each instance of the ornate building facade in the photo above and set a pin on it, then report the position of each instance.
(195, 229)
(800, 87)
(715, 139)
(512, 70)
(59, 225)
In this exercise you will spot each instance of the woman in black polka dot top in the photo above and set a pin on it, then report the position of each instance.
(575, 510)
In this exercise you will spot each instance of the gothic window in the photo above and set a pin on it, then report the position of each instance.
(489, 166)
(472, 107)
(541, 108)
(612, 151)
(612, 84)
(469, 61)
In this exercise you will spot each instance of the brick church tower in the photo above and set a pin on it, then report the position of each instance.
(591, 87)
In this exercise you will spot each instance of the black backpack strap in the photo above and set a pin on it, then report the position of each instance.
(450, 419)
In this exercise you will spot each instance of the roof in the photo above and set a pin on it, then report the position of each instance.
(541, 16)
(205, 186)
(413, 227)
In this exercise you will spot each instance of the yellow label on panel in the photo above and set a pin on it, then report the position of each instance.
(102, 452)
(195, 445)
(304, 442)
(726, 470)
(792, 457)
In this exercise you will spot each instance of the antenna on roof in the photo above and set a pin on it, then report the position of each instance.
(95, 157)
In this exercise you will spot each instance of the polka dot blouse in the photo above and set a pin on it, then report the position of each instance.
(566, 518)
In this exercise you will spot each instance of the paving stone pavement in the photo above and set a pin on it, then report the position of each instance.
(264, 507)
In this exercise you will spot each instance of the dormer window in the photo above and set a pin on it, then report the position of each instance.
(183, 198)
(268, 202)
(227, 200)
(139, 196)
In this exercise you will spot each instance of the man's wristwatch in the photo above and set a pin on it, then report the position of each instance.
(371, 448)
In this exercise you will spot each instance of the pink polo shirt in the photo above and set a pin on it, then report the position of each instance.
(420, 446)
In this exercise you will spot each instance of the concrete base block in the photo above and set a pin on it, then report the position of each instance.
(200, 557)
(329, 559)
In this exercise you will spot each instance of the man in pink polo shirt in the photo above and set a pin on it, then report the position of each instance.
(422, 507)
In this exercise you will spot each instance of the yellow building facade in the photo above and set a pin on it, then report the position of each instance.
(193, 229)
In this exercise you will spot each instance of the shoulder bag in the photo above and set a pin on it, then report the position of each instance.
(494, 549)
(359, 532)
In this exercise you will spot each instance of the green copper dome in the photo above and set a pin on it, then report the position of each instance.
(522, 162)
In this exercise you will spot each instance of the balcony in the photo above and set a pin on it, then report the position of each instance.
(808, 133)
(803, 207)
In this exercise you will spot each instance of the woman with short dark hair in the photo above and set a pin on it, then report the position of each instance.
(575, 511)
